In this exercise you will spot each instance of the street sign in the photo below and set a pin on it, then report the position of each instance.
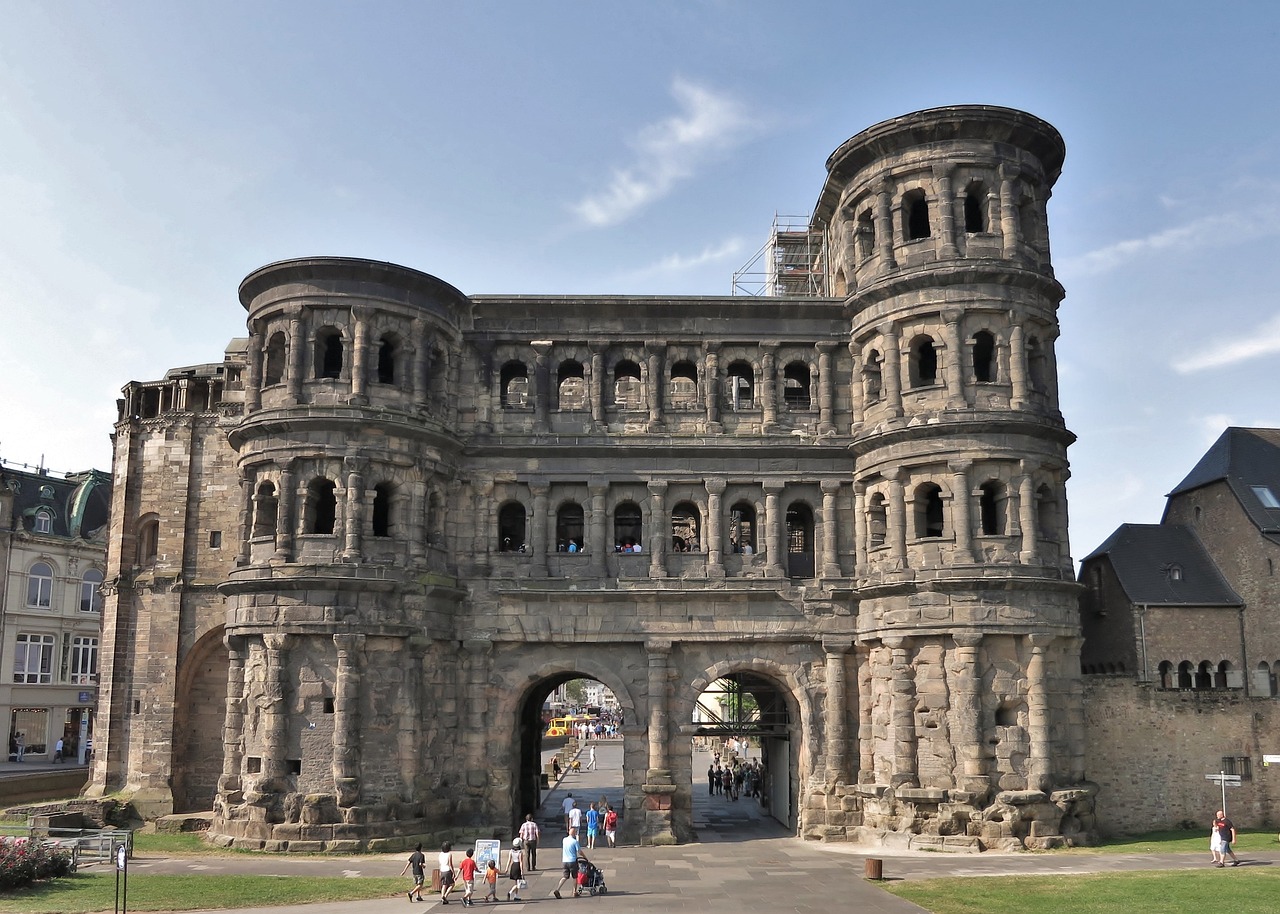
(1226, 780)
(1270, 760)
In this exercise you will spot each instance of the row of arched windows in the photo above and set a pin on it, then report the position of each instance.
(40, 581)
(320, 509)
(328, 357)
(928, 514)
(923, 364)
(1205, 675)
(628, 528)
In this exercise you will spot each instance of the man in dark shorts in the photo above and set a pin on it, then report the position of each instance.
(569, 861)
(1226, 830)
(418, 863)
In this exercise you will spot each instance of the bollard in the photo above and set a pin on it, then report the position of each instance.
(875, 868)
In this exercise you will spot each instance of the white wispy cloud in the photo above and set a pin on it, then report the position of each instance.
(668, 152)
(1240, 347)
(1212, 426)
(681, 263)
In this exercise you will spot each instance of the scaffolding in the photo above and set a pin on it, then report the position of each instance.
(791, 263)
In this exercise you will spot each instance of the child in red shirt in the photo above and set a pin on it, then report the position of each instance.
(468, 871)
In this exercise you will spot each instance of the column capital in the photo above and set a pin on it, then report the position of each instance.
(837, 645)
(347, 643)
(1041, 641)
(657, 486)
(826, 347)
(773, 487)
(658, 648)
(967, 639)
(715, 485)
(896, 642)
(959, 466)
(830, 486)
(276, 641)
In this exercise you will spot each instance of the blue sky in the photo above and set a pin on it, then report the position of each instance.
(152, 154)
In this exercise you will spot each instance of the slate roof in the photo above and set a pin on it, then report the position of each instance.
(1243, 458)
(1143, 555)
(78, 505)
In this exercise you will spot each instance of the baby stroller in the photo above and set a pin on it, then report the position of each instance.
(591, 878)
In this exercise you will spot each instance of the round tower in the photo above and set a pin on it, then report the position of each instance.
(970, 719)
(342, 579)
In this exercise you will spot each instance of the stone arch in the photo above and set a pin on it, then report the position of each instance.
(199, 717)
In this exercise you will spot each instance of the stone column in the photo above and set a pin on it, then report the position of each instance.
(233, 722)
(595, 384)
(1017, 365)
(659, 655)
(485, 516)
(961, 501)
(1039, 763)
(769, 386)
(957, 396)
(1008, 214)
(477, 665)
(946, 210)
(542, 386)
(772, 529)
(857, 395)
(659, 528)
(860, 531)
(484, 387)
(598, 534)
(286, 520)
(711, 389)
(1051, 372)
(253, 387)
(826, 389)
(417, 529)
(360, 356)
(654, 361)
(714, 539)
(830, 551)
(248, 508)
(346, 718)
(1030, 554)
(297, 342)
(835, 712)
(420, 383)
(866, 726)
(884, 224)
(354, 519)
(897, 519)
(275, 713)
(903, 714)
(540, 544)
(967, 706)
(891, 370)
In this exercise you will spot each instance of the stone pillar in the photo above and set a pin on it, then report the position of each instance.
(826, 389)
(772, 529)
(1017, 365)
(830, 563)
(540, 543)
(417, 512)
(946, 210)
(542, 386)
(957, 396)
(1040, 762)
(248, 508)
(903, 714)
(884, 224)
(967, 708)
(1030, 554)
(286, 519)
(866, 725)
(711, 389)
(354, 519)
(962, 520)
(420, 383)
(860, 531)
(857, 395)
(485, 515)
(598, 533)
(659, 790)
(484, 386)
(346, 718)
(1010, 233)
(769, 386)
(835, 711)
(714, 539)
(891, 370)
(233, 722)
(654, 362)
(595, 384)
(1051, 373)
(253, 386)
(360, 356)
(275, 713)
(659, 528)
(897, 519)
(297, 342)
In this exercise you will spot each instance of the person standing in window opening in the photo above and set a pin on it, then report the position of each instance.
(573, 547)
(1226, 831)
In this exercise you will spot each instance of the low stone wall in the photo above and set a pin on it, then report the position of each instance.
(42, 785)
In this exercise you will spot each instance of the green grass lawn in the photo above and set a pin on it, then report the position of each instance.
(1176, 841)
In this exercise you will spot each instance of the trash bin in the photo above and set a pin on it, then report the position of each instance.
(875, 868)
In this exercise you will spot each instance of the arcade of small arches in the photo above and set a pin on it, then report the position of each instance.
(1206, 675)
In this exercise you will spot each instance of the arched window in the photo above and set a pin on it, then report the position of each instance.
(384, 503)
(328, 355)
(628, 527)
(866, 238)
(43, 522)
(984, 357)
(928, 502)
(975, 208)
(511, 527)
(742, 528)
(877, 520)
(1047, 513)
(872, 388)
(571, 389)
(684, 386)
(628, 392)
(795, 391)
(266, 504)
(569, 528)
(742, 386)
(148, 539)
(992, 501)
(686, 533)
(321, 506)
(276, 353)
(91, 591)
(388, 355)
(924, 362)
(916, 212)
(515, 385)
(1166, 675)
(1037, 366)
(1220, 678)
(1265, 681)
(1204, 675)
(1186, 675)
(1029, 222)
(40, 585)
(799, 540)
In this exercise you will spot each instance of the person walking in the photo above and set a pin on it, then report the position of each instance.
(491, 881)
(445, 865)
(593, 826)
(57, 750)
(1226, 830)
(575, 818)
(514, 871)
(529, 835)
(568, 804)
(418, 863)
(591, 759)
(611, 826)
(569, 850)
(467, 870)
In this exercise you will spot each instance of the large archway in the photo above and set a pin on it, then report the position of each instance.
(200, 715)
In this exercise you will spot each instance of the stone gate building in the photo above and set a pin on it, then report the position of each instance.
(349, 562)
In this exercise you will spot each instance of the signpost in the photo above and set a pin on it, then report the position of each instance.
(1225, 780)
(122, 879)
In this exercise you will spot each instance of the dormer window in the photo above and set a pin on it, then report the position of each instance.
(1266, 496)
(1175, 572)
(43, 522)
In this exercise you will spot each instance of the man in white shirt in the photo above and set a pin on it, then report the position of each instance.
(568, 804)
